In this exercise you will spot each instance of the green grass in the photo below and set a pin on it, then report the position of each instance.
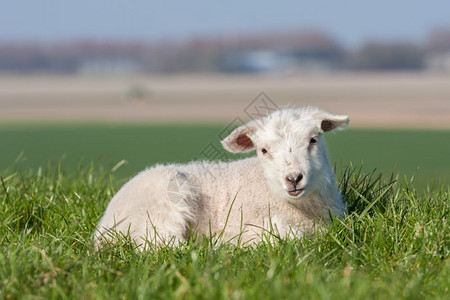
(419, 153)
(423, 154)
(394, 244)
(76, 145)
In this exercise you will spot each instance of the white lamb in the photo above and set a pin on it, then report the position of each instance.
(287, 189)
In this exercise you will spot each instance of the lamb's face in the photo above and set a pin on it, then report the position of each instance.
(290, 147)
(293, 155)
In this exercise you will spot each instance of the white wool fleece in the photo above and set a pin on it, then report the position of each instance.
(288, 188)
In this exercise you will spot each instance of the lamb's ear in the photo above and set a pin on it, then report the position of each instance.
(240, 140)
(329, 122)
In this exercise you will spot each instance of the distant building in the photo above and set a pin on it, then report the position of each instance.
(438, 62)
(272, 61)
(260, 61)
(438, 50)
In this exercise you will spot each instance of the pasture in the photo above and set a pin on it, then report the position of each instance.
(67, 144)
(394, 244)
(422, 153)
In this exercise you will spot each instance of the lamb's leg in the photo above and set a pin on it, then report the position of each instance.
(155, 208)
(169, 222)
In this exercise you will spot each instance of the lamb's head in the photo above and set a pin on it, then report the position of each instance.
(291, 149)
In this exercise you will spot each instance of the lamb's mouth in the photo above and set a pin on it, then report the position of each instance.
(295, 192)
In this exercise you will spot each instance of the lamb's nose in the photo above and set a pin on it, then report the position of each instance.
(294, 180)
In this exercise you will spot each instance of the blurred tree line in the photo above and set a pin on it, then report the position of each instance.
(291, 51)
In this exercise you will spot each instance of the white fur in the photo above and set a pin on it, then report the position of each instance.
(238, 199)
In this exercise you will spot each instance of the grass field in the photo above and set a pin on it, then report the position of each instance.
(423, 154)
(394, 244)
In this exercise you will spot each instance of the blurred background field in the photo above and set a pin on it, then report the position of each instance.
(372, 99)
(125, 150)
(103, 89)
(155, 82)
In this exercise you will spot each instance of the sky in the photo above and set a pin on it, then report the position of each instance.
(351, 22)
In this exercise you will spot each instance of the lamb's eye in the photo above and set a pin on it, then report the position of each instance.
(264, 151)
(313, 141)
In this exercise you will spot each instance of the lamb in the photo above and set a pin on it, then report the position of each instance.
(287, 189)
